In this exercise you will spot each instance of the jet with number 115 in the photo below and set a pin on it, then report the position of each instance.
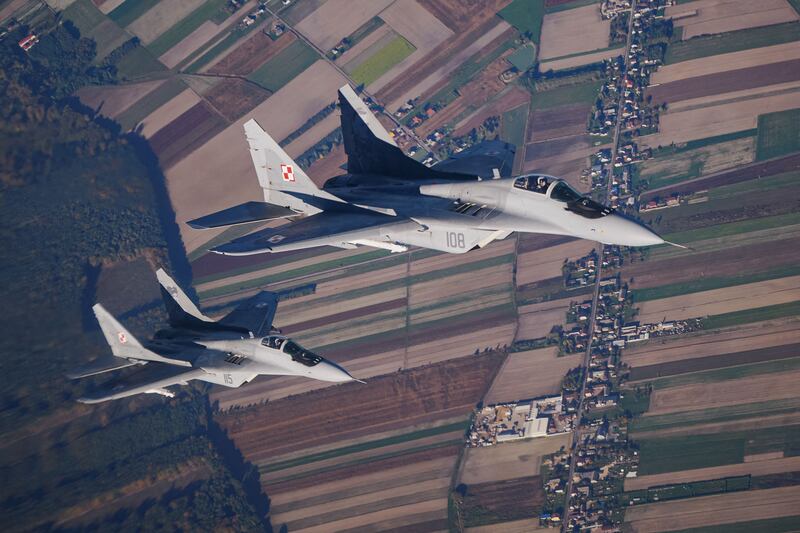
(388, 200)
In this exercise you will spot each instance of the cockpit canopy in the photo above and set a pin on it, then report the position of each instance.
(560, 191)
(291, 348)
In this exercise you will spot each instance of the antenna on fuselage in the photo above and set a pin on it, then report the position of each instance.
(676, 245)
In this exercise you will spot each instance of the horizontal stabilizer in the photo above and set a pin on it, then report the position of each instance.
(149, 380)
(242, 214)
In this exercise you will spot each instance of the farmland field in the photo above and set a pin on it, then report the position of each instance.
(383, 60)
(718, 16)
(526, 16)
(778, 134)
(285, 66)
(711, 45)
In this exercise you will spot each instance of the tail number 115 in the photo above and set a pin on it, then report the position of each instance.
(455, 240)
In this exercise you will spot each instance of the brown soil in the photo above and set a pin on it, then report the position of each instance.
(252, 53)
(329, 166)
(732, 262)
(185, 134)
(355, 409)
(513, 498)
(717, 361)
(348, 471)
(723, 82)
(557, 122)
(233, 97)
(464, 15)
(556, 147)
(472, 95)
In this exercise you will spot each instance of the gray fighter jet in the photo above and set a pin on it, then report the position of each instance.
(388, 200)
(228, 352)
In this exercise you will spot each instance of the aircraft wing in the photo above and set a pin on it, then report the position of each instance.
(256, 313)
(481, 159)
(152, 378)
(105, 363)
(329, 228)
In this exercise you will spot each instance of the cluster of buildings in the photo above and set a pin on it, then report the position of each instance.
(583, 271)
(526, 419)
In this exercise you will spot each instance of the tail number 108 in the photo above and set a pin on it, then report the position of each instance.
(455, 240)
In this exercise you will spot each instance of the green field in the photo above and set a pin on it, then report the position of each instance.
(94, 25)
(526, 16)
(381, 61)
(669, 454)
(706, 284)
(130, 10)
(747, 316)
(725, 374)
(778, 134)
(208, 11)
(138, 63)
(717, 414)
(285, 66)
(571, 94)
(733, 228)
(773, 525)
(523, 58)
(734, 41)
(155, 99)
(512, 128)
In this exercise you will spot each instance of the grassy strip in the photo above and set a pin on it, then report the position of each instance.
(285, 66)
(778, 181)
(526, 16)
(747, 316)
(718, 414)
(778, 134)
(705, 284)
(668, 151)
(733, 41)
(381, 61)
(367, 460)
(728, 373)
(379, 443)
(512, 125)
(139, 63)
(187, 25)
(571, 94)
(774, 525)
(130, 10)
(669, 454)
(733, 228)
(294, 273)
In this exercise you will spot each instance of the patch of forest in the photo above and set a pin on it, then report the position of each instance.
(78, 194)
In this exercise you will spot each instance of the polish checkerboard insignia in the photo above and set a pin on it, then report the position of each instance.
(288, 172)
(122, 337)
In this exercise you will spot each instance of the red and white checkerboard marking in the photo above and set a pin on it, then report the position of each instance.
(288, 172)
(122, 337)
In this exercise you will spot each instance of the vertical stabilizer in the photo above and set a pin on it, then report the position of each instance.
(370, 148)
(278, 173)
(181, 310)
(123, 344)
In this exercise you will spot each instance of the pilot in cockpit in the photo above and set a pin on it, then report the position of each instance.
(541, 184)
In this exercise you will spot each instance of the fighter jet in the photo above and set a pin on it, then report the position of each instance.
(391, 201)
(229, 352)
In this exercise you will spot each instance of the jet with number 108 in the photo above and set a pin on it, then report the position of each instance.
(388, 200)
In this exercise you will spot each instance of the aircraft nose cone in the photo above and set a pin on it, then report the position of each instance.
(329, 371)
(626, 232)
